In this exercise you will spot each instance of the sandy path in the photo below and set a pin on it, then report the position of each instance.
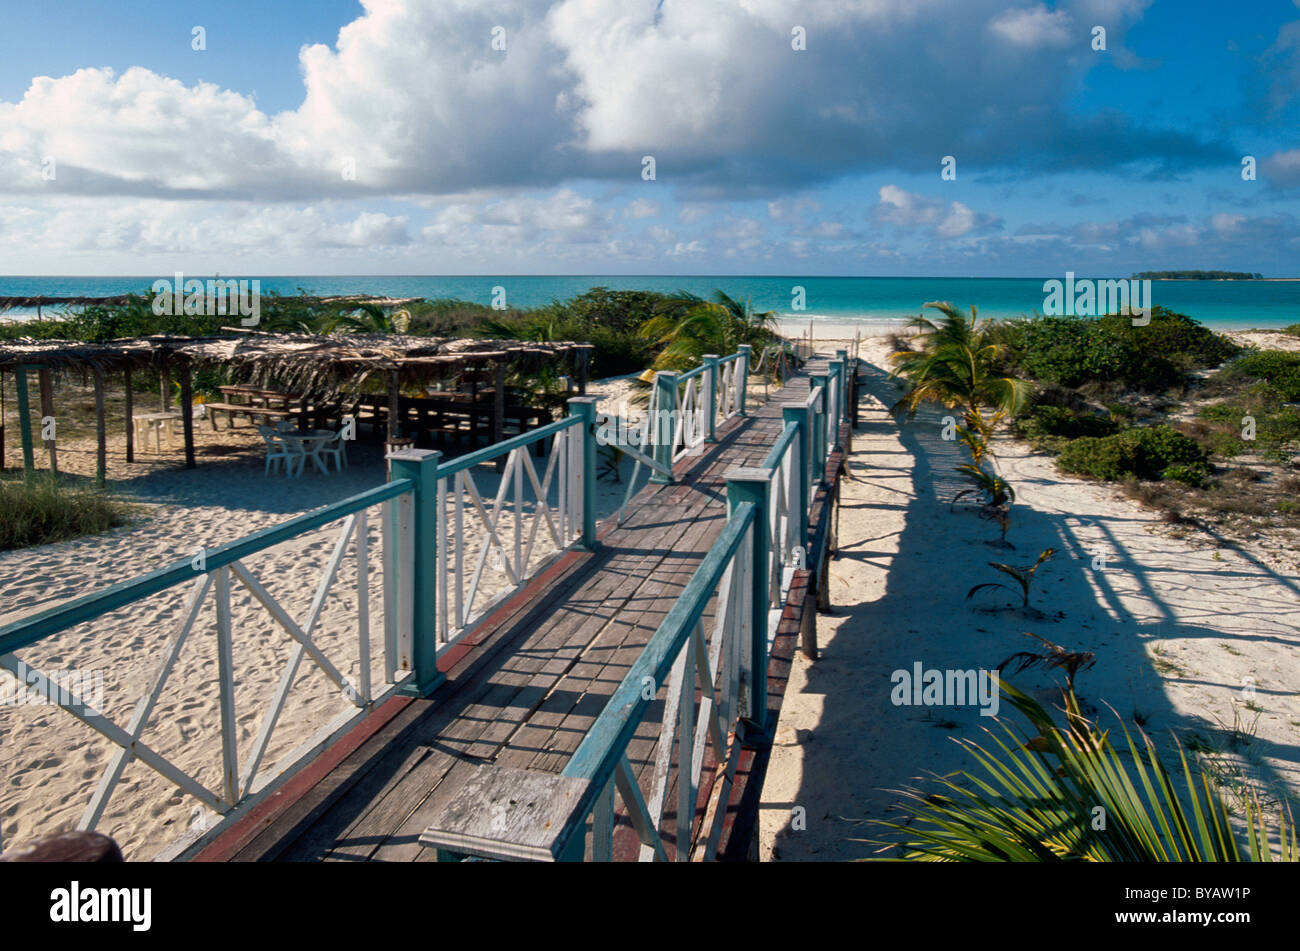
(1181, 627)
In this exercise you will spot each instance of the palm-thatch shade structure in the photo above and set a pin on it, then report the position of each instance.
(117, 300)
(322, 367)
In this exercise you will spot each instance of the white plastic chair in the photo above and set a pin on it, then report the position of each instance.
(277, 451)
(335, 446)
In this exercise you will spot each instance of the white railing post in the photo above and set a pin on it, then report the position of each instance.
(662, 425)
(226, 688)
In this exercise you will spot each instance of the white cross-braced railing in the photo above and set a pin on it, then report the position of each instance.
(705, 650)
(487, 550)
(213, 575)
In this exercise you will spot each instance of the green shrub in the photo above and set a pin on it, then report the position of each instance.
(1043, 421)
(1073, 351)
(41, 510)
(1144, 453)
(1280, 370)
(1195, 474)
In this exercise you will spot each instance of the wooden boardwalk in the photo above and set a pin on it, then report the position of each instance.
(524, 688)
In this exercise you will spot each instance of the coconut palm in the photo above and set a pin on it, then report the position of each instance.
(689, 326)
(956, 367)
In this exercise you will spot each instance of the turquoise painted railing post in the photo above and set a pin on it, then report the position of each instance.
(847, 368)
(24, 419)
(585, 406)
(711, 395)
(754, 485)
(834, 413)
(421, 467)
(796, 415)
(742, 384)
(664, 424)
(816, 380)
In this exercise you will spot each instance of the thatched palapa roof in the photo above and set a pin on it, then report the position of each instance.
(323, 365)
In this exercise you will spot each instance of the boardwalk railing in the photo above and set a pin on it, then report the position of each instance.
(438, 539)
(684, 412)
(211, 574)
(710, 655)
(533, 518)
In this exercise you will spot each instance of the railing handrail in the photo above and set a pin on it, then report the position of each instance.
(782, 445)
(505, 447)
(29, 630)
(600, 750)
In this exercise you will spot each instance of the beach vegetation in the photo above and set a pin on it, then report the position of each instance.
(1277, 369)
(956, 366)
(1076, 793)
(1023, 575)
(996, 491)
(687, 326)
(1110, 351)
(42, 509)
(1145, 452)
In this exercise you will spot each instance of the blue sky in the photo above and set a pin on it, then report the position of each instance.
(395, 137)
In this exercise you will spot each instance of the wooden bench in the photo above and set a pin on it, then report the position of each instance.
(233, 409)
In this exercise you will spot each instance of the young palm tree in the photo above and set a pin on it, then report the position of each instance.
(1050, 794)
(370, 319)
(956, 367)
(690, 326)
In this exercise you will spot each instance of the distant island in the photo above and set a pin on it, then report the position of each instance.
(1197, 276)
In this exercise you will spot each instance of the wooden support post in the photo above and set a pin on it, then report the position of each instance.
(165, 387)
(846, 368)
(755, 485)
(24, 419)
(711, 395)
(421, 467)
(394, 404)
(808, 626)
(585, 406)
(664, 425)
(187, 414)
(584, 368)
(46, 382)
(101, 431)
(130, 415)
(2, 421)
(499, 411)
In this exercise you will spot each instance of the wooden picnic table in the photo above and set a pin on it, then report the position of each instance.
(259, 403)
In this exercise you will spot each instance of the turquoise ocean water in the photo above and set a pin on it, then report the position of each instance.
(874, 301)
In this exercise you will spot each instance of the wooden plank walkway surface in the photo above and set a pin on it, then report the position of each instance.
(537, 675)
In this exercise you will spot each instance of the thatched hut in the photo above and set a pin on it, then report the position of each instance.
(319, 368)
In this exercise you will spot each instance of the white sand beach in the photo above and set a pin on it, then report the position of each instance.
(1183, 629)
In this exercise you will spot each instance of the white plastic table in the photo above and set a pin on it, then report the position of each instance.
(309, 444)
(156, 423)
